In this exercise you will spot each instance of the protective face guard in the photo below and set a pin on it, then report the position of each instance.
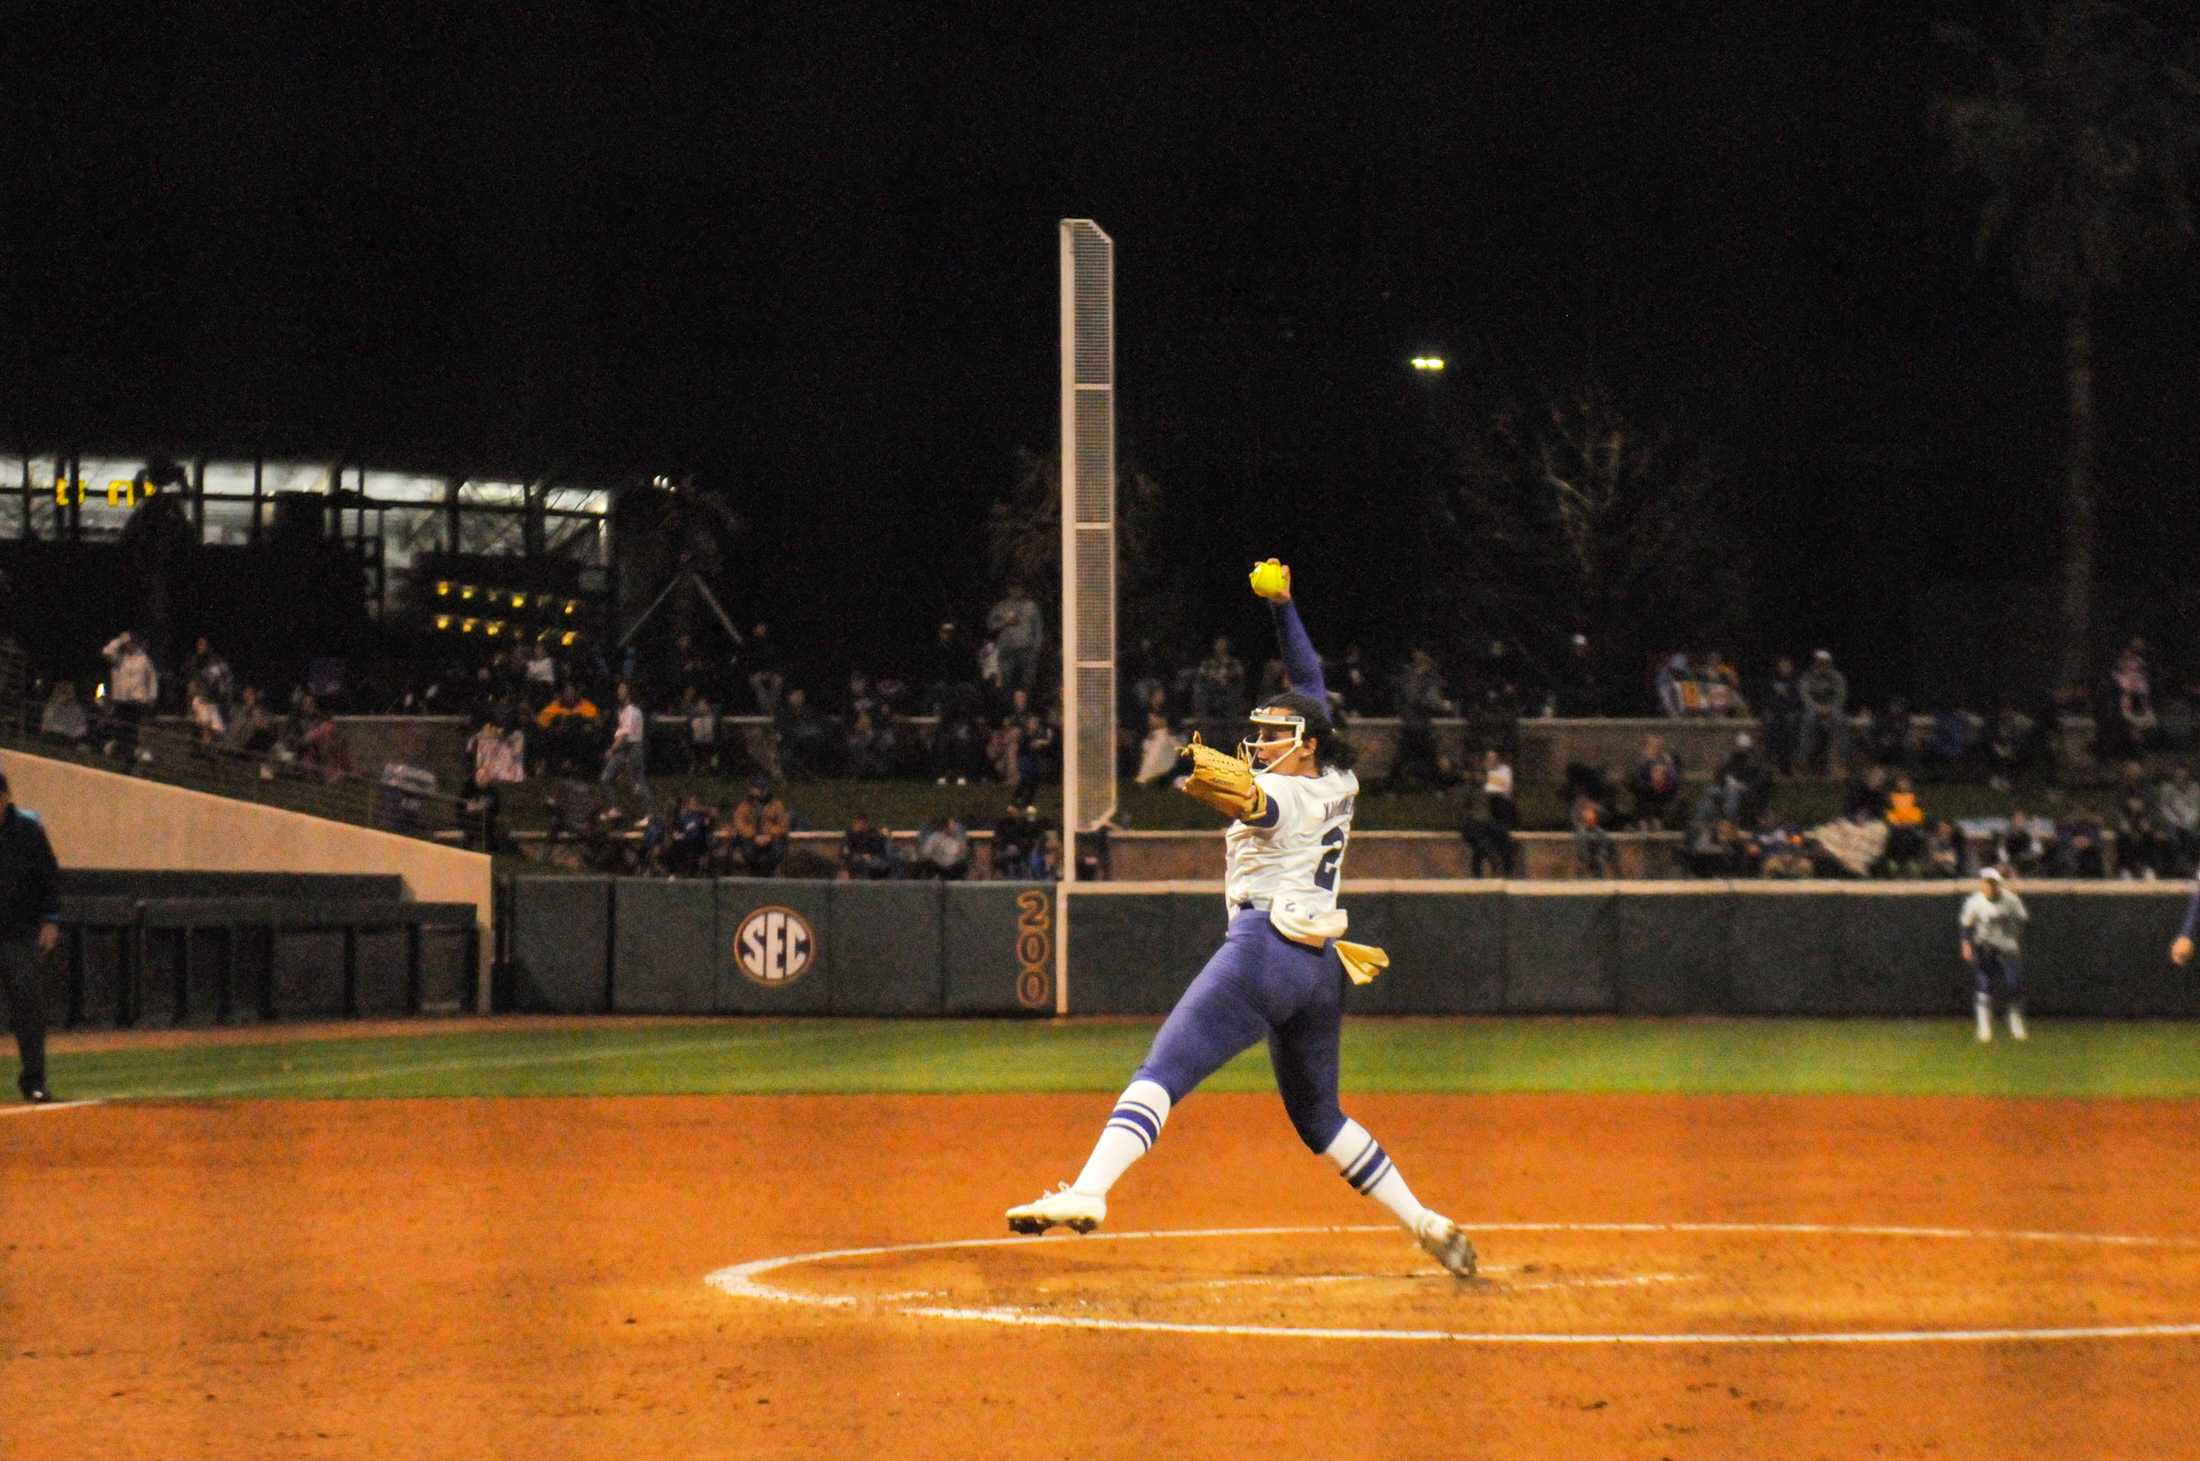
(1273, 720)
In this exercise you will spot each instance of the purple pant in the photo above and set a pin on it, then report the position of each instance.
(1990, 967)
(1260, 983)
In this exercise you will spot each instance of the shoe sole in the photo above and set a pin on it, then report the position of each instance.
(1034, 1226)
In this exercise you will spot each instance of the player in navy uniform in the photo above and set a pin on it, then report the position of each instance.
(1282, 968)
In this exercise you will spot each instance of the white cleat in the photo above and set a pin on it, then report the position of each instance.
(1441, 1239)
(2016, 1024)
(1064, 1207)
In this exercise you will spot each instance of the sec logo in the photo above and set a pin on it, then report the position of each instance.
(774, 946)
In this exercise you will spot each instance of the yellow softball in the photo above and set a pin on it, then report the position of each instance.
(1271, 579)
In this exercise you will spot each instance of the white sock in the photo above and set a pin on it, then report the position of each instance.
(1131, 1131)
(1361, 1161)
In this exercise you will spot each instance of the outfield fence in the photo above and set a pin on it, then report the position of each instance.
(761, 946)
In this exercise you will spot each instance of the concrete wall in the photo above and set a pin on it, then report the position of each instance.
(103, 819)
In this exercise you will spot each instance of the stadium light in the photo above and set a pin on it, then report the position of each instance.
(1428, 364)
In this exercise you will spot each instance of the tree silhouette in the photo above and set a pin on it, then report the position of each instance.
(2083, 125)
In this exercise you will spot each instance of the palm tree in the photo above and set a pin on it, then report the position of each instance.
(2084, 132)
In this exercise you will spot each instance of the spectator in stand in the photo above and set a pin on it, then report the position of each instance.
(627, 757)
(1019, 638)
(807, 739)
(865, 853)
(207, 724)
(2007, 740)
(1722, 686)
(212, 673)
(1824, 691)
(2081, 846)
(760, 826)
(1708, 849)
(1678, 693)
(1864, 796)
(499, 754)
(253, 730)
(1744, 782)
(1142, 674)
(1584, 779)
(1035, 743)
(2143, 846)
(2022, 847)
(959, 741)
(2177, 807)
(766, 671)
(1947, 853)
(2131, 724)
(1778, 850)
(1420, 697)
(1348, 687)
(950, 669)
(63, 721)
(1488, 819)
(1580, 695)
(133, 685)
(689, 849)
(321, 748)
(1905, 829)
(1894, 739)
(1157, 753)
(1218, 692)
(656, 845)
(1783, 715)
(701, 717)
(569, 727)
(1594, 852)
(943, 849)
(1016, 842)
(1950, 747)
(1001, 745)
(866, 760)
(1655, 784)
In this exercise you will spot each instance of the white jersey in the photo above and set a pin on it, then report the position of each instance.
(1299, 856)
(1998, 923)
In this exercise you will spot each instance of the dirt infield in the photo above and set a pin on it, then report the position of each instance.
(1723, 1277)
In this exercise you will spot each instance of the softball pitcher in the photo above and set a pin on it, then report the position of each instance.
(1282, 967)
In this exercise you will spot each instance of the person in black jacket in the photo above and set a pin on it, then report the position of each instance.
(28, 932)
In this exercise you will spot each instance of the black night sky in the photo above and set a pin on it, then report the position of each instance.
(808, 252)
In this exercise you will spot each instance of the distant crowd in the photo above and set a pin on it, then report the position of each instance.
(979, 708)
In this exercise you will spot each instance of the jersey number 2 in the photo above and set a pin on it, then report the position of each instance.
(1325, 871)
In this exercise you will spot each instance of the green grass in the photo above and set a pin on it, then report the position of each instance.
(726, 1057)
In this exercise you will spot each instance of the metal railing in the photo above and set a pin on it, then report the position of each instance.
(387, 799)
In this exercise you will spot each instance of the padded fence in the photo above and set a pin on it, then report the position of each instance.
(790, 947)
(206, 959)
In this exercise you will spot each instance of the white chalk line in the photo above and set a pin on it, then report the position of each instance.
(27, 1109)
(1282, 1280)
(310, 1078)
(742, 1281)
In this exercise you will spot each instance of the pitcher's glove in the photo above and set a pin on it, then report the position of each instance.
(1223, 781)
